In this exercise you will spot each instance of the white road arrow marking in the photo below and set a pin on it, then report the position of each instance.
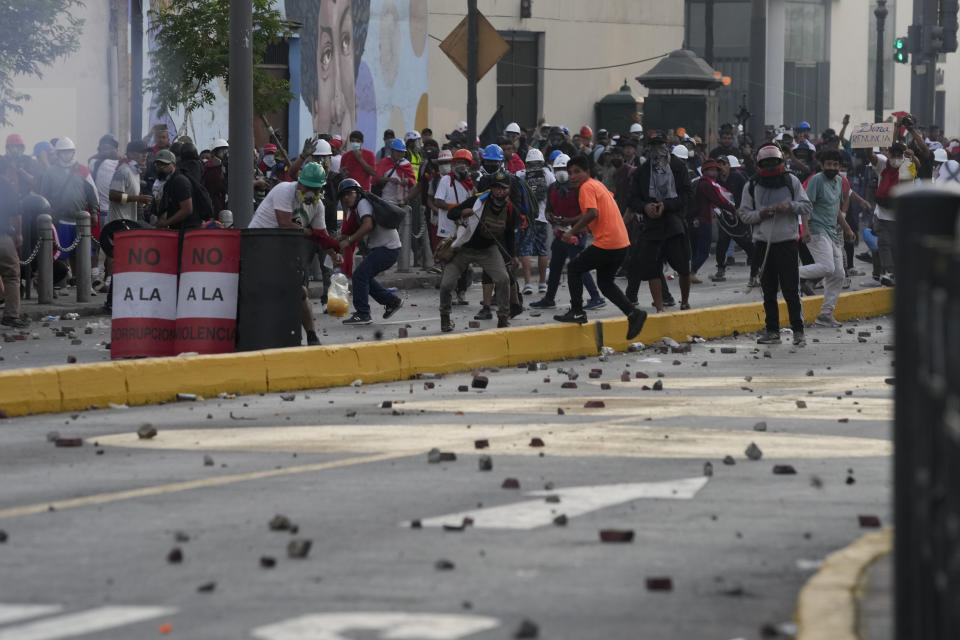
(392, 626)
(13, 612)
(574, 501)
(83, 622)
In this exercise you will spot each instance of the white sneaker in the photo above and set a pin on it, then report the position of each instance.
(527, 289)
(542, 288)
(827, 320)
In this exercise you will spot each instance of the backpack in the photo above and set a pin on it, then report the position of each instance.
(385, 214)
(202, 202)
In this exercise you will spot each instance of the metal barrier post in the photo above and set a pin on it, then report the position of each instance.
(45, 259)
(82, 276)
(406, 253)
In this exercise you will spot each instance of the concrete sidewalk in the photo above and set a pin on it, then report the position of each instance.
(876, 602)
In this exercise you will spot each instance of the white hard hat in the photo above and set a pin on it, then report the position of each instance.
(461, 126)
(940, 155)
(411, 135)
(560, 162)
(734, 162)
(636, 127)
(65, 144)
(513, 127)
(446, 154)
(323, 148)
(219, 143)
(681, 152)
(769, 151)
(534, 155)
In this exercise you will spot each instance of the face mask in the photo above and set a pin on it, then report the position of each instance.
(562, 175)
(895, 162)
(535, 167)
(309, 197)
(65, 160)
(270, 160)
(445, 168)
(490, 167)
(830, 173)
(356, 146)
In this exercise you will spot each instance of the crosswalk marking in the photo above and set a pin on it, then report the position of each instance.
(75, 624)
(13, 612)
(395, 626)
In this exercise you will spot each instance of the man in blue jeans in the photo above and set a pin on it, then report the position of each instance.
(383, 250)
(563, 210)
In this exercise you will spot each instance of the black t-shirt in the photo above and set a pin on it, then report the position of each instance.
(177, 189)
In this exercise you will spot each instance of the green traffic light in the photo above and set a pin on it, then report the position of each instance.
(898, 43)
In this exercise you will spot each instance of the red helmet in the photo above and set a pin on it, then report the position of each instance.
(586, 132)
(463, 154)
(15, 139)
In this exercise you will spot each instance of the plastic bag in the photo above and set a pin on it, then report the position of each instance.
(338, 296)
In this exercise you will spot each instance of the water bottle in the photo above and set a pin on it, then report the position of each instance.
(338, 295)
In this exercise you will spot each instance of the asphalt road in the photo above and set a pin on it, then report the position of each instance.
(85, 339)
(89, 528)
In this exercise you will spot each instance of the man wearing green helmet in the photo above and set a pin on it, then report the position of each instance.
(299, 205)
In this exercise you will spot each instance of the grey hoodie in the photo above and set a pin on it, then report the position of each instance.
(783, 225)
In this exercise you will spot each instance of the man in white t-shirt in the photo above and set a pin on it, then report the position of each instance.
(383, 249)
(299, 205)
(452, 190)
(534, 242)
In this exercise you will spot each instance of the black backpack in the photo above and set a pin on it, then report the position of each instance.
(385, 214)
(202, 203)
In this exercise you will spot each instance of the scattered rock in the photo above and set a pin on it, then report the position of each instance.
(3, 536)
(463, 388)
(485, 463)
(299, 548)
(869, 522)
(146, 432)
(386, 404)
(187, 397)
(658, 385)
(605, 386)
(616, 535)
(784, 470)
(280, 522)
(207, 461)
(480, 382)
(810, 373)
(435, 456)
(888, 347)
(68, 442)
(268, 562)
(181, 536)
(71, 359)
(53, 436)
(561, 412)
(288, 397)
(728, 460)
(416, 524)
(552, 499)
(527, 629)
(473, 324)
(625, 376)
(659, 584)
(510, 483)
(402, 332)
(760, 426)
(753, 452)
(569, 385)
(536, 442)
(175, 556)
(207, 587)
(481, 444)
(801, 404)
(428, 385)
(708, 468)
(889, 381)
(595, 404)
(444, 565)
(728, 349)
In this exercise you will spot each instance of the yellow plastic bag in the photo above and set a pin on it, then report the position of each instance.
(338, 296)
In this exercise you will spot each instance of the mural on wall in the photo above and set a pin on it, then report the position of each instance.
(363, 65)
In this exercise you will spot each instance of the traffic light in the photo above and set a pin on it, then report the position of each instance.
(948, 20)
(900, 52)
(933, 40)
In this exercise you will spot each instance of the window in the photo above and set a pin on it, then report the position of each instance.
(889, 35)
(518, 79)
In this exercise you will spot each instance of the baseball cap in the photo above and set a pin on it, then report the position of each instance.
(165, 156)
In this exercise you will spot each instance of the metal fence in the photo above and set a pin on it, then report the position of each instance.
(927, 426)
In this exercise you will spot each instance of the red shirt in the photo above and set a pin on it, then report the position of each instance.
(515, 164)
(356, 170)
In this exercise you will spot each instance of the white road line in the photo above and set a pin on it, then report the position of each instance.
(393, 626)
(574, 501)
(13, 612)
(75, 624)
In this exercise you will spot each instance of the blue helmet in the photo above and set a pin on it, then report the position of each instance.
(804, 126)
(493, 152)
(398, 145)
(553, 155)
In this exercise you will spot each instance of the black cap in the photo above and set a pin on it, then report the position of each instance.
(137, 146)
(898, 147)
(501, 178)
(109, 139)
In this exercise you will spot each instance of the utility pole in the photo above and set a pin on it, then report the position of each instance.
(758, 68)
(472, 45)
(923, 80)
(708, 35)
(136, 69)
(240, 173)
(881, 13)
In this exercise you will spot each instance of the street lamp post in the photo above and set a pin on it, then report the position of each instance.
(881, 14)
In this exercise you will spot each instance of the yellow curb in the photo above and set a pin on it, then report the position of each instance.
(828, 604)
(153, 380)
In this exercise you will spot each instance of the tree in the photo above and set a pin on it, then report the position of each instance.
(192, 50)
(33, 35)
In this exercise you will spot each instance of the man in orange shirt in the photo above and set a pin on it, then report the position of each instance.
(600, 213)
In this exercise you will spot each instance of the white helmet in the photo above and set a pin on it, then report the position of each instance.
(560, 162)
(446, 154)
(411, 135)
(768, 152)
(219, 143)
(461, 126)
(636, 127)
(940, 155)
(323, 149)
(681, 152)
(734, 162)
(65, 144)
(513, 127)
(534, 155)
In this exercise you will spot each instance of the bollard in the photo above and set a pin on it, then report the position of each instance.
(82, 276)
(406, 253)
(226, 218)
(45, 259)
(424, 247)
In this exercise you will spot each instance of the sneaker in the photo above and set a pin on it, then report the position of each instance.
(527, 290)
(865, 257)
(852, 272)
(446, 324)
(805, 288)
(542, 288)
(719, 276)
(888, 280)
(798, 339)
(15, 322)
(731, 261)
(392, 309)
(694, 279)
(460, 301)
(579, 317)
(358, 318)
(503, 322)
(543, 304)
(769, 337)
(435, 269)
(312, 339)
(485, 313)
(846, 283)
(596, 303)
(827, 320)
(635, 323)
(684, 306)
(668, 301)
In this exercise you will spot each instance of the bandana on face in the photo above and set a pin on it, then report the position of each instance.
(270, 160)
